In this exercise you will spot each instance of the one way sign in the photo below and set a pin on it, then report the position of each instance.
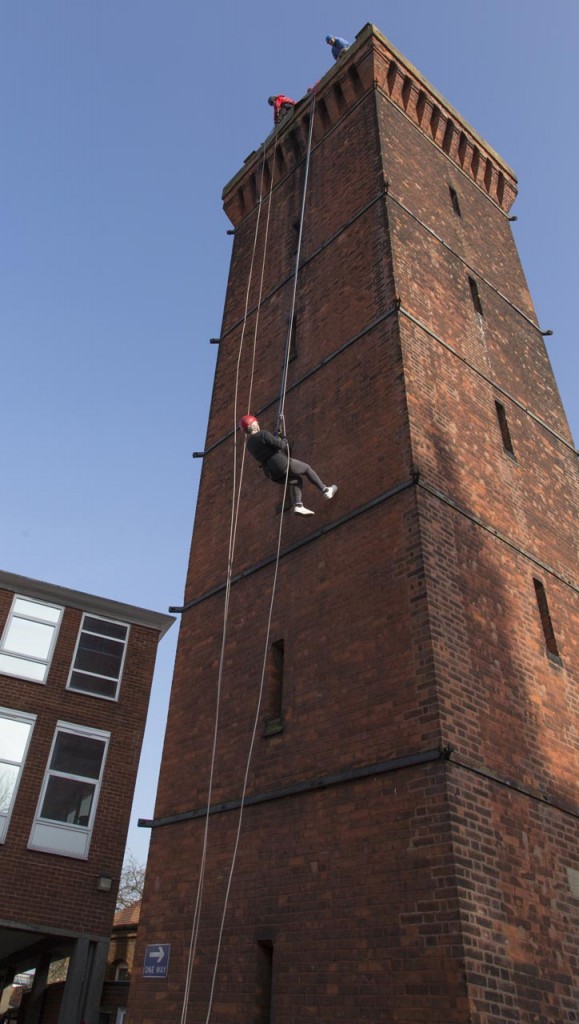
(156, 963)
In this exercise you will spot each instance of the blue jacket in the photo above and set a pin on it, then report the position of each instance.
(338, 46)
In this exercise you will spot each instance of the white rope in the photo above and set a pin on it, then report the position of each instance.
(250, 752)
(231, 551)
(280, 426)
(283, 387)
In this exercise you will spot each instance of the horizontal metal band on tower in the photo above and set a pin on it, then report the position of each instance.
(321, 532)
(309, 785)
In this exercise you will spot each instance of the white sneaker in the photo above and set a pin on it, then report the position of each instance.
(301, 510)
(330, 491)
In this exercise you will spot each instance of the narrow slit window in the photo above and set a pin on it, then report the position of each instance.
(391, 76)
(475, 163)
(264, 983)
(323, 112)
(504, 428)
(546, 622)
(279, 159)
(475, 296)
(339, 96)
(454, 201)
(434, 121)
(355, 80)
(274, 717)
(294, 144)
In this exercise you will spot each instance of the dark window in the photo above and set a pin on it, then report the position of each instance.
(434, 121)
(454, 201)
(264, 983)
(274, 719)
(74, 772)
(504, 427)
(355, 79)
(323, 112)
(339, 96)
(294, 143)
(546, 622)
(391, 76)
(99, 658)
(280, 162)
(448, 133)
(475, 162)
(475, 295)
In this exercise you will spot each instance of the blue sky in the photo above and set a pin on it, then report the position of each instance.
(121, 120)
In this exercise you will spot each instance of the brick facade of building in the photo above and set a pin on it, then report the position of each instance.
(409, 852)
(58, 900)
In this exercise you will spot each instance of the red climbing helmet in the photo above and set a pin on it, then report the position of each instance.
(245, 422)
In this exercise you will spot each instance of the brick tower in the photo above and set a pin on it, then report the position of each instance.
(409, 848)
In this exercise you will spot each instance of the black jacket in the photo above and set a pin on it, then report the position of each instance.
(271, 453)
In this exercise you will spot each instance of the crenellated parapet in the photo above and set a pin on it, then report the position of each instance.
(429, 111)
(371, 62)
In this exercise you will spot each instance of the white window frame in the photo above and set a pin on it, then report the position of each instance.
(60, 837)
(90, 693)
(17, 716)
(18, 657)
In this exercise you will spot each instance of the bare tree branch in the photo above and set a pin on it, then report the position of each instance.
(132, 882)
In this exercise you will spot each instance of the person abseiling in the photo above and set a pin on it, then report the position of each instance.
(273, 454)
(281, 105)
(339, 46)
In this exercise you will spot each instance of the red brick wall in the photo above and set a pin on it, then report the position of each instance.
(426, 894)
(43, 889)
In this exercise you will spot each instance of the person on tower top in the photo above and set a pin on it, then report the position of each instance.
(273, 455)
(339, 46)
(281, 106)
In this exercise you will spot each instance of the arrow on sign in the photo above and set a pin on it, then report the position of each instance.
(158, 955)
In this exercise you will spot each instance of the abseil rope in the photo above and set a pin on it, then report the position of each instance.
(281, 424)
(231, 551)
(283, 386)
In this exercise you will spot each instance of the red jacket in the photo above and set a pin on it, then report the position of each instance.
(278, 103)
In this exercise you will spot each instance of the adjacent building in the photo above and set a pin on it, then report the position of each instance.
(75, 679)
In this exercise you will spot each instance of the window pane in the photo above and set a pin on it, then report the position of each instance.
(94, 684)
(22, 668)
(8, 777)
(35, 610)
(13, 737)
(99, 655)
(114, 629)
(77, 755)
(31, 638)
(68, 800)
